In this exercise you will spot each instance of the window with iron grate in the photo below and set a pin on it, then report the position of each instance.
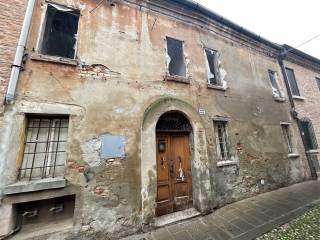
(45, 148)
(222, 140)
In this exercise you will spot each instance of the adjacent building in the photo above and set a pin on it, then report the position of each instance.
(11, 18)
(302, 75)
(128, 111)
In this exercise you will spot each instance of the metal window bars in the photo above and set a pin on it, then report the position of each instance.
(222, 141)
(45, 148)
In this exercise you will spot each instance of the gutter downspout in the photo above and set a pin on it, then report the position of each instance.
(294, 113)
(16, 66)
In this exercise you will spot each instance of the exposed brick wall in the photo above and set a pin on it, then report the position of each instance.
(306, 80)
(11, 18)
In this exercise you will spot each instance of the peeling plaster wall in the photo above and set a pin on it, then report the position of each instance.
(122, 57)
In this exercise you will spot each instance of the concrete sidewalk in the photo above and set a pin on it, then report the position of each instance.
(246, 219)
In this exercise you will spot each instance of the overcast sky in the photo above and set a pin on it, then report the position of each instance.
(282, 21)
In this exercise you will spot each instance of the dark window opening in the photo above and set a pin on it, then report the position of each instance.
(309, 135)
(173, 122)
(287, 136)
(177, 65)
(318, 82)
(292, 82)
(61, 27)
(222, 140)
(213, 77)
(273, 80)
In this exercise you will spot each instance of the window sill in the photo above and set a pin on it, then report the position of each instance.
(298, 98)
(221, 88)
(227, 163)
(54, 59)
(35, 185)
(314, 151)
(279, 99)
(293, 155)
(176, 78)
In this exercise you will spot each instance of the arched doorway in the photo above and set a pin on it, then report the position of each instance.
(203, 191)
(174, 178)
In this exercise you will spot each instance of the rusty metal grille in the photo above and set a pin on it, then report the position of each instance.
(45, 148)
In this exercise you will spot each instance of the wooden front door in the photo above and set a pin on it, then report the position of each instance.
(174, 180)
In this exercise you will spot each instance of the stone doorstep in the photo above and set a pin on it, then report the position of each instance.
(176, 217)
(36, 185)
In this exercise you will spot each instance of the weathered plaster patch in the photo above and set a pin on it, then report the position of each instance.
(97, 72)
(91, 152)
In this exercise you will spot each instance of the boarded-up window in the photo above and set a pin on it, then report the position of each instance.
(45, 148)
(175, 57)
(212, 67)
(60, 33)
(292, 82)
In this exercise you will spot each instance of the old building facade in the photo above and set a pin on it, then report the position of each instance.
(128, 111)
(302, 74)
(11, 18)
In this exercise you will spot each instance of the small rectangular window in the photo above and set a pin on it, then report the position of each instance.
(292, 82)
(222, 140)
(175, 55)
(45, 148)
(212, 64)
(274, 83)
(318, 82)
(287, 136)
(60, 32)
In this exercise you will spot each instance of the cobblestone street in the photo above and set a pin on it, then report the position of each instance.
(247, 219)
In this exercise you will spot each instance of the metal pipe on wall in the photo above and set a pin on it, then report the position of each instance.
(16, 66)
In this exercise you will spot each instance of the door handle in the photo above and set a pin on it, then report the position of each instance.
(162, 162)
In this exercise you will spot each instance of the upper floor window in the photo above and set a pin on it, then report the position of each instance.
(212, 67)
(175, 58)
(292, 82)
(45, 148)
(318, 82)
(273, 76)
(60, 31)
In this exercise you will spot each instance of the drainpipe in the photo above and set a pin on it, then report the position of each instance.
(16, 66)
(294, 113)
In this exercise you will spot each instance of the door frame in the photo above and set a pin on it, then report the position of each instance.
(171, 135)
(203, 191)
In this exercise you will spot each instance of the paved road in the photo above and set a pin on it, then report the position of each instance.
(246, 219)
